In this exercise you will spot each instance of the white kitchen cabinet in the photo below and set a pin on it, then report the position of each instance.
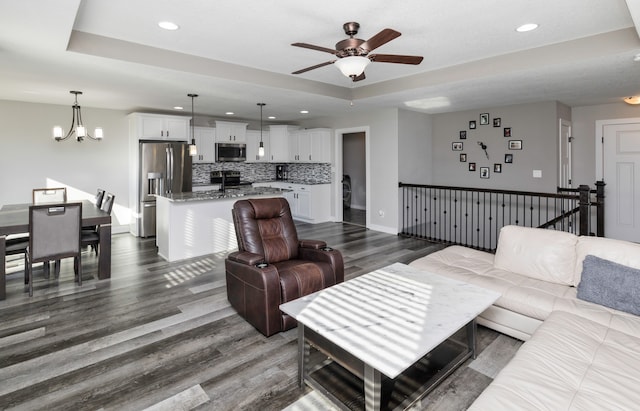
(205, 142)
(253, 142)
(321, 139)
(308, 202)
(231, 132)
(279, 143)
(155, 126)
(310, 146)
(300, 146)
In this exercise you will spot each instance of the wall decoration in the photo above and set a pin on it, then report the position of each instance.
(515, 144)
(508, 158)
(484, 172)
(463, 157)
(484, 119)
(472, 124)
(456, 146)
(472, 166)
(497, 168)
(507, 132)
(497, 122)
(463, 135)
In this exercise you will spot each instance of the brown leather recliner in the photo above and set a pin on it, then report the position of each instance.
(272, 266)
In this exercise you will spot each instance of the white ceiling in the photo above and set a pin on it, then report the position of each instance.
(235, 54)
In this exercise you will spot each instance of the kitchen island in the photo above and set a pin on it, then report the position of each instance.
(199, 223)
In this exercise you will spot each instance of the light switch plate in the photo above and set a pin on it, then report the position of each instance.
(537, 173)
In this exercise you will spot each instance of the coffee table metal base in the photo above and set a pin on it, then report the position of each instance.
(328, 369)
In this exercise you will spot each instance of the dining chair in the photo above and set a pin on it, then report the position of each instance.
(54, 234)
(49, 195)
(99, 197)
(98, 201)
(91, 237)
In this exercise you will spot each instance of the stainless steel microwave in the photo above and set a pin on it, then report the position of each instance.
(231, 152)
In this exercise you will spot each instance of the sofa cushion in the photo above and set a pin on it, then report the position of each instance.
(546, 255)
(570, 363)
(618, 251)
(610, 284)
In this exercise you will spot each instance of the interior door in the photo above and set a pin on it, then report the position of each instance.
(621, 174)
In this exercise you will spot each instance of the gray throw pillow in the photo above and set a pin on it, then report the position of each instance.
(610, 284)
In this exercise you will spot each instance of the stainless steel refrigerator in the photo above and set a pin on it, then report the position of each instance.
(165, 168)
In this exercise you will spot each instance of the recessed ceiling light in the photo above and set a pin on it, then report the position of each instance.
(632, 100)
(304, 111)
(178, 108)
(527, 27)
(168, 25)
(229, 113)
(271, 117)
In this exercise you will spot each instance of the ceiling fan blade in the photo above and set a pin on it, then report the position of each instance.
(312, 47)
(360, 77)
(395, 58)
(326, 63)
(379, 39)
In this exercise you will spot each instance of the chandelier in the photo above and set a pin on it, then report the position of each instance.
(77, 126)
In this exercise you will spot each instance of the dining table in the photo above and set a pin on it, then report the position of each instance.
(14, 219)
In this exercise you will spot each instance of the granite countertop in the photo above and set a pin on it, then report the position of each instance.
(295, 181)
(228, 193)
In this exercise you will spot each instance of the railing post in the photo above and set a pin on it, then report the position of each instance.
(600, 208)
(583, 203)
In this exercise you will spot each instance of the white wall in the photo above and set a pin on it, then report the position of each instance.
(30, 158)
(584, 133)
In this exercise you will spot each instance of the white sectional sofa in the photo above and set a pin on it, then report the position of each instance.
(577, 314)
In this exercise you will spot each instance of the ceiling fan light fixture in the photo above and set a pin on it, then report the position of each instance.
(352, 66)
(632, 100)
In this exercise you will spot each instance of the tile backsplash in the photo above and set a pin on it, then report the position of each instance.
(254, 172)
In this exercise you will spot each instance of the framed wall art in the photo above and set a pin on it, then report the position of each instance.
(472, 124)
(515, 144)
(484, 119)
(497, 122)
(507, 132)
(456, 146)
(463, 157)
(472, 166)
(484, 172)
(497, 168)
(508, 158)
(463, 135)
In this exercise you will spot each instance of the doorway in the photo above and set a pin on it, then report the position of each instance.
(354, 173)
(618, 164)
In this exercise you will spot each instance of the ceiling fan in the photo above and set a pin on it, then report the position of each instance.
(353, 53)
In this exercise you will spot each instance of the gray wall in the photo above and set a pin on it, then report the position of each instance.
(584, 133)
(383, 162)
(414, 147)
(535, 124)
(30, 158)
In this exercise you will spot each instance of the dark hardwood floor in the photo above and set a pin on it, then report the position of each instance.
(160, 335)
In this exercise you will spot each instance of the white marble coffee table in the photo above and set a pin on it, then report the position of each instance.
(384, 322)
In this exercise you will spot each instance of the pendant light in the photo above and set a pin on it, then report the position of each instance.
(77, 126)
(193, 150)
(261, 146)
